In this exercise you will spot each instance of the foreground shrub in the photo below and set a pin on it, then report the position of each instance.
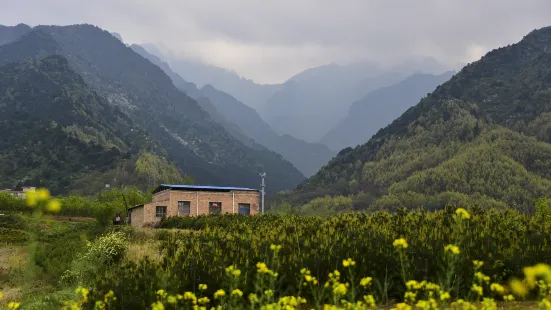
(99, 255)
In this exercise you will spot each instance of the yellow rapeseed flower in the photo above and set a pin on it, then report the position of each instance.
(190, 296)
(366, 281)
(340, 289)
(262, 268)
(203, 300)
(1, 295)
(253, 298)
(489, 304)
(202, 287)
(444, 296)
(348, 262)
(450, 248)
(518, 288)
(13, 305)
(171, 299)
(157, 306)
(410, 296)
(537, 271)
(30, 198)
(509, 297)
(400, 243)
(370, 301)
(83, 292)
(237, 292)
(402, 306)
(481, 277)
(498, 288)
(219, 294)
(99, 305)
(411, 284)
(477, 289)
(478, 264)
(54, 206)
(545, 304)
(463, 214)
(42, 194)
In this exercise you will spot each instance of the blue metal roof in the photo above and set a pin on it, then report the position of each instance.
(202, 187)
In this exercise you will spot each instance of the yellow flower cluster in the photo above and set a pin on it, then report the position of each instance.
(478, 264)
(400, 243)
(450, 248)
(308, 277)
(263, 268)
(13, 305)
(41, 197)
(462, 214)
(348, 262)
(219, 294)
(233, 271)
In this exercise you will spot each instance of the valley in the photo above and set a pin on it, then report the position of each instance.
(136, 175)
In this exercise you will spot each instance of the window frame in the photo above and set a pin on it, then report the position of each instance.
(245, 205)
(160, 214)
(184, 203)
(219, 207)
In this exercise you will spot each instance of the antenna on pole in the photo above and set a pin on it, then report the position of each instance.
(263, 191)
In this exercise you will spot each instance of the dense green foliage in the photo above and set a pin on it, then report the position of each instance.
(102, 206)
(55, 131)
(482, 138)
(504, 240)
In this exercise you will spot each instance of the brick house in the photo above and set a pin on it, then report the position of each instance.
(190, 200)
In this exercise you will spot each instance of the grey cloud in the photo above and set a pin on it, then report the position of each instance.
(270, 40)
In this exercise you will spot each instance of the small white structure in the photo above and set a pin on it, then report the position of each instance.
(20, 194)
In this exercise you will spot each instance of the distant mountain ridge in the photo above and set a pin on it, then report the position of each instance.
(307, 157)
(481, 139)
(244, 90)
(310, 104)
(193, 141)
(379, 108)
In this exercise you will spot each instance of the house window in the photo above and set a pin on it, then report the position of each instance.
(215, 207)
(160, 211)
(244, 208)
(184, 208)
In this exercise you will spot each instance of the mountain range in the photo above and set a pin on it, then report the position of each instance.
(192, 140)
(244, 122)
(379, 108)
(309, 104)
(481, 139)
(244, 90)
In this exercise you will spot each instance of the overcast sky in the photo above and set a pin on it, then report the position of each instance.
(268, 41)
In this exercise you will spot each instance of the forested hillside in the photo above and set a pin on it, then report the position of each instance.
(481, 138)
(55, 130)
(193, 141)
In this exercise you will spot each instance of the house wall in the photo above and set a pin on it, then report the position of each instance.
(136, 216)
(199, 203)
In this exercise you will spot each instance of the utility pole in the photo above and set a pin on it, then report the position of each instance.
(263, 191)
